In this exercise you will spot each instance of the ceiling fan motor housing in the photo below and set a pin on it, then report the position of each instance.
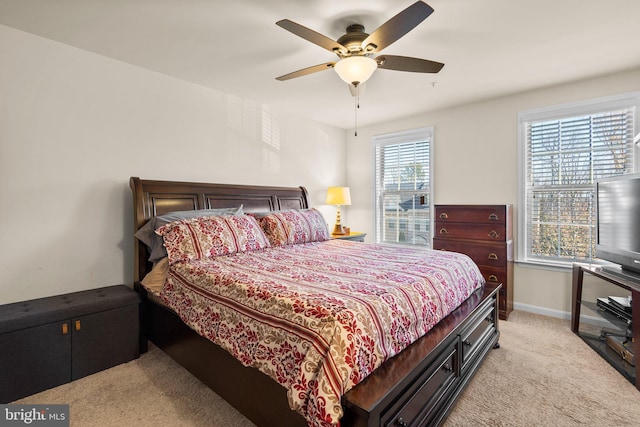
(353, 39)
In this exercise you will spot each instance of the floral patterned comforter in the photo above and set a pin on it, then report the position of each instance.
(319, 317)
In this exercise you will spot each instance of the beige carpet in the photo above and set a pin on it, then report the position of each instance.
(542, 375)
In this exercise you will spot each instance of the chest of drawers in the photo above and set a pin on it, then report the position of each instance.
(484, 233)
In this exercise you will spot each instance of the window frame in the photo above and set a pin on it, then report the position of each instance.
(395, 138)
(558, 112)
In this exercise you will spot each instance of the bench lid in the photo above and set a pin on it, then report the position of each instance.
(26, 314)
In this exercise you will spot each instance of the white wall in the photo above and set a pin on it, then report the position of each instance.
(74, 126)
(475, 161)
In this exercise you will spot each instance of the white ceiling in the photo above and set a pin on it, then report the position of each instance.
(490, 47)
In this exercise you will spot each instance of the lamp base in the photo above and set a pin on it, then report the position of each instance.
(338, 230)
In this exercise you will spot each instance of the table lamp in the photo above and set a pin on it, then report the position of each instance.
(338, 196)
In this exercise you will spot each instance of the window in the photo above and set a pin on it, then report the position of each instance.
(403, 187)
(564, 151)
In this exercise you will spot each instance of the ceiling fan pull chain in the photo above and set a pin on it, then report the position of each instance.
(357, 106)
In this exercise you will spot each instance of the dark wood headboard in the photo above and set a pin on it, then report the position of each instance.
(153, 198)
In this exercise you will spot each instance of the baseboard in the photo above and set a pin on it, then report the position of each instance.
(542, 310)
(564, 315)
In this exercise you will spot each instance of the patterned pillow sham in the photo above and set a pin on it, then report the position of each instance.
(147, 235)
(208, 237)
(294, 226)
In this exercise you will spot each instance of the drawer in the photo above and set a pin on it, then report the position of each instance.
(490, 254)
(493, 274)
(421, 400)
(459, 230)
(497, 275)
(476, 336)
(492, 214)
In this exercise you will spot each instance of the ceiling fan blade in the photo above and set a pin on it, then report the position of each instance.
(308, 70)
(398, 26)
(406, 63)
(312, 36)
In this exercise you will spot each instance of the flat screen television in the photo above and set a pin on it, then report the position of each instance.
(618, 221)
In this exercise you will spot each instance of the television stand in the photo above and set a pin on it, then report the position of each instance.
(620, 324)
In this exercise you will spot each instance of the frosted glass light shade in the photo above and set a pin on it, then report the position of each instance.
(355, 70)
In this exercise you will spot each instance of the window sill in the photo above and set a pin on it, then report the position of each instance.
(564, 267)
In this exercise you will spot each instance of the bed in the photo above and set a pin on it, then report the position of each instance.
(416, 386)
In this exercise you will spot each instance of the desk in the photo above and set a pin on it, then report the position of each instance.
(625, 280)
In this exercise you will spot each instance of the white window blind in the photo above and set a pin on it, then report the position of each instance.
(403, 188)
(563, 158)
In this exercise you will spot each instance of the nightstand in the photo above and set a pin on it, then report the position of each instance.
(356, 236)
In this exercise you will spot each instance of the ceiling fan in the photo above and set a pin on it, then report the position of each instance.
(356, 49)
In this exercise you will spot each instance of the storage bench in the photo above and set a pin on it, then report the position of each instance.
(50, 341)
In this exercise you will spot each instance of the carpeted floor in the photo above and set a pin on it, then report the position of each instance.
(542, 375)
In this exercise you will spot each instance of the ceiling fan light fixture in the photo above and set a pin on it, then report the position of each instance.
(355, 70)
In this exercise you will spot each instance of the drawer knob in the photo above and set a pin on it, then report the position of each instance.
(65, 328)
(444, 231)
(467, 343)
(448, 368)
(493, 278)
(493, 234)
(493, 256)
(402, 423)
(444, 215)
(493, 217)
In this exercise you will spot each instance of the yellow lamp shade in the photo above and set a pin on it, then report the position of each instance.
(338, 196)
